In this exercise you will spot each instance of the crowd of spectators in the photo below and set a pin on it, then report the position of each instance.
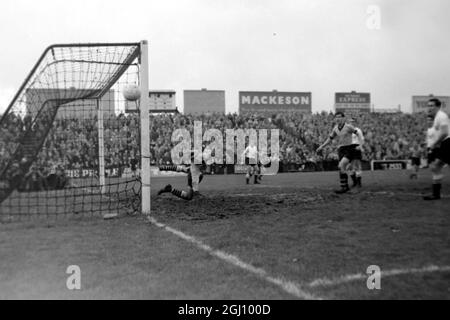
(73, 143)
(387, 136)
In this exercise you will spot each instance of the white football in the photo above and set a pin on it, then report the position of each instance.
(131, 92)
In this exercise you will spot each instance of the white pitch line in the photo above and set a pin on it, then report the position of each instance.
(394, 193)
(287, 286)
(326, 282)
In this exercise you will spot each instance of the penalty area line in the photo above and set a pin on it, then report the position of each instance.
(326, 282)
(287, 286)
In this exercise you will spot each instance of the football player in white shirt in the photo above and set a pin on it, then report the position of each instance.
(342, 132)
(439, 145)
(251, 160)
(431, 154)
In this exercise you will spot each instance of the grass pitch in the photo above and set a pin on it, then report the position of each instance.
(289, 231)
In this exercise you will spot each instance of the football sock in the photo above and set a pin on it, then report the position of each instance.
(354, 178)
(358, 178)
(437, 190)
(344, 180)
(168, 168)
(190, 179)
(182, 194)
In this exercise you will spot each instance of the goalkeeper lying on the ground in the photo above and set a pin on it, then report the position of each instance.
(195, 176)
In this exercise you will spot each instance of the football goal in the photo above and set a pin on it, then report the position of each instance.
(68, 143)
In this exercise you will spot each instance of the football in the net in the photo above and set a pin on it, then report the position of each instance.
(131, 92)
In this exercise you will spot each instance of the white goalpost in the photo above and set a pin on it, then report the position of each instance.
(145, 128)
(101, 148)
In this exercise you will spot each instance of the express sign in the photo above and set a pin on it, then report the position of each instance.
(352, 101)
(254, 101)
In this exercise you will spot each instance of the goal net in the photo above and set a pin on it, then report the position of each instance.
(67, 144)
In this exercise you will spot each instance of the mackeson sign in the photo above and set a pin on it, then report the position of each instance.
(250, 101)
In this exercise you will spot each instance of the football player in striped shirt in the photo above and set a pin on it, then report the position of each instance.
(439, 145)
(194, 175)
(356, 165)
(415, 153)
(342, 133)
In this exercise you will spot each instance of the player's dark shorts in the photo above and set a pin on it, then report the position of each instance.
(443, 152)
(415, 161)
(347, 152)
(357, 154)
(251, 162)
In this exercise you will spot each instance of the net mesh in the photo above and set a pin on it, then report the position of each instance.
(66, 129)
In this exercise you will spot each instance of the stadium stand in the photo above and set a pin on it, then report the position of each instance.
(388, 137)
